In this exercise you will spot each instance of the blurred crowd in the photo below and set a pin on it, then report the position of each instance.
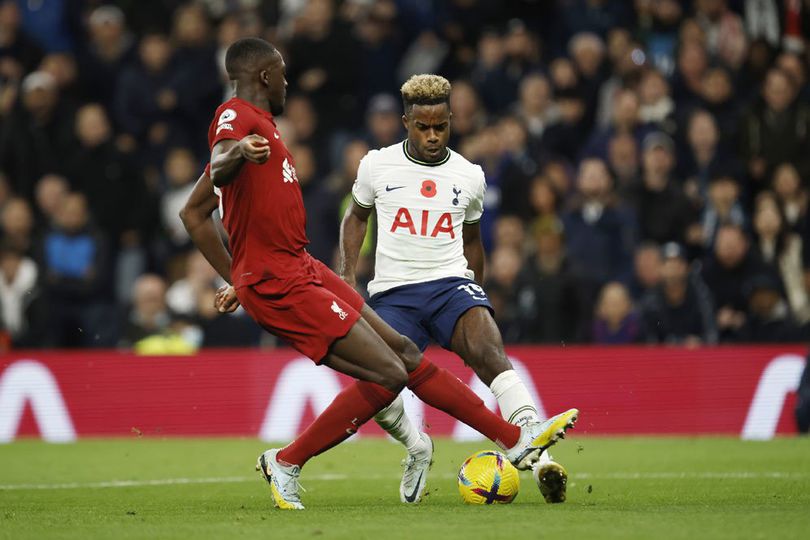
(647, 160)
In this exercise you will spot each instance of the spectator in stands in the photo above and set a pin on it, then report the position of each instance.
(112, 183)
(535, 106)
(384, 121)
(781, 248)
(587, 50)
(501, 289)
(679, 310)
(19, 54)
(306, 127)
(659, 22)
(599, 234)
(62, 67)
(723, 206)
(564, 138)
(116, 193)
(382, 44)
(38, 135)
(489, 73)
(769, 319)
(657, 106)
(329, 201)
(792, 195)
(544, 199)
(692, 65)
(149, 316)
(664, 212)
(316, 65)
(182, 295)
(109, 49)
(775, 132)
(146, 99)
(23, 310)
(704, 157)
(51, 24)
(75, 273)
(725, 34)
(522, 55)
(17, 224)
(194, 86)
(50, 194)
(180, 172)
(624, 164)
(615, 321)
(627, 64)
(717, 97)
(625, 120)
(726, 271)
(518, 166)
(792, 64)
(192, 299)
(597, 16)
(761, 57)
(647, 263)
(509, 233)
(468, 114)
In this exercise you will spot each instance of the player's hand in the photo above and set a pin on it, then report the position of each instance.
(225, 300)
(255, 148)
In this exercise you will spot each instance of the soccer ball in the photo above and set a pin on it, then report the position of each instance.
(487, 477)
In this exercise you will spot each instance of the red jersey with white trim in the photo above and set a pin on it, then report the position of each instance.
(262, 209)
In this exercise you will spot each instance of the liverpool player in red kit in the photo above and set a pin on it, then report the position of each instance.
(298, 298)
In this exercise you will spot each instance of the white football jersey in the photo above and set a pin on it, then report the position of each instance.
(421, 208)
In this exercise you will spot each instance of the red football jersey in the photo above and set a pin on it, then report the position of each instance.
(262, 209)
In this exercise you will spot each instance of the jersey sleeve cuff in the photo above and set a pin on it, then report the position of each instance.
(472, 221)
(363, 205)
(226, 137)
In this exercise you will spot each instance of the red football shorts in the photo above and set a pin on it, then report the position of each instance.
(309, 311)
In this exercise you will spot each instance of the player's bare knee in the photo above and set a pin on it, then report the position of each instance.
(487, 361)
(410, 354)
(394, 377)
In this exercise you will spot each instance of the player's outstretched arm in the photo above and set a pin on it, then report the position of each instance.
(474, 249)
(228, 156)
(196, 216)
(352, 233)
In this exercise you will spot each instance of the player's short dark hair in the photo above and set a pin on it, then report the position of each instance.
(425, 89)
(243, 53)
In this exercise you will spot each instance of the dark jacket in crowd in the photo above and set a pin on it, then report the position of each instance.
(548, 305)
(666, 323)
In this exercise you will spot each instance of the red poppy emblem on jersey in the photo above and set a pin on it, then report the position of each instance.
(428, 188)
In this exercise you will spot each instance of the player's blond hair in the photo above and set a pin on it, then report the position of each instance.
(425, 89)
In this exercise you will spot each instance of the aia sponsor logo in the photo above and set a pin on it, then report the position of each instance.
(427, 226)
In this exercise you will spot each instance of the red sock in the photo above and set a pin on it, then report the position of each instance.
(441, 389)
(351, 408)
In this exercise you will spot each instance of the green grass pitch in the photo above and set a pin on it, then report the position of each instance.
(207, 488)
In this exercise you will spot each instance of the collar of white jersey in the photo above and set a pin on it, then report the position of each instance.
(444, 160)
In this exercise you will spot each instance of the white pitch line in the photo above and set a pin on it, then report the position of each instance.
(342, 477)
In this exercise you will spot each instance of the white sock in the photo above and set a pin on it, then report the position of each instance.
(514, 400)
(394, 420)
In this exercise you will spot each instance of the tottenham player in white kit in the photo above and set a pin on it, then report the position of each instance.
(429, 201)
